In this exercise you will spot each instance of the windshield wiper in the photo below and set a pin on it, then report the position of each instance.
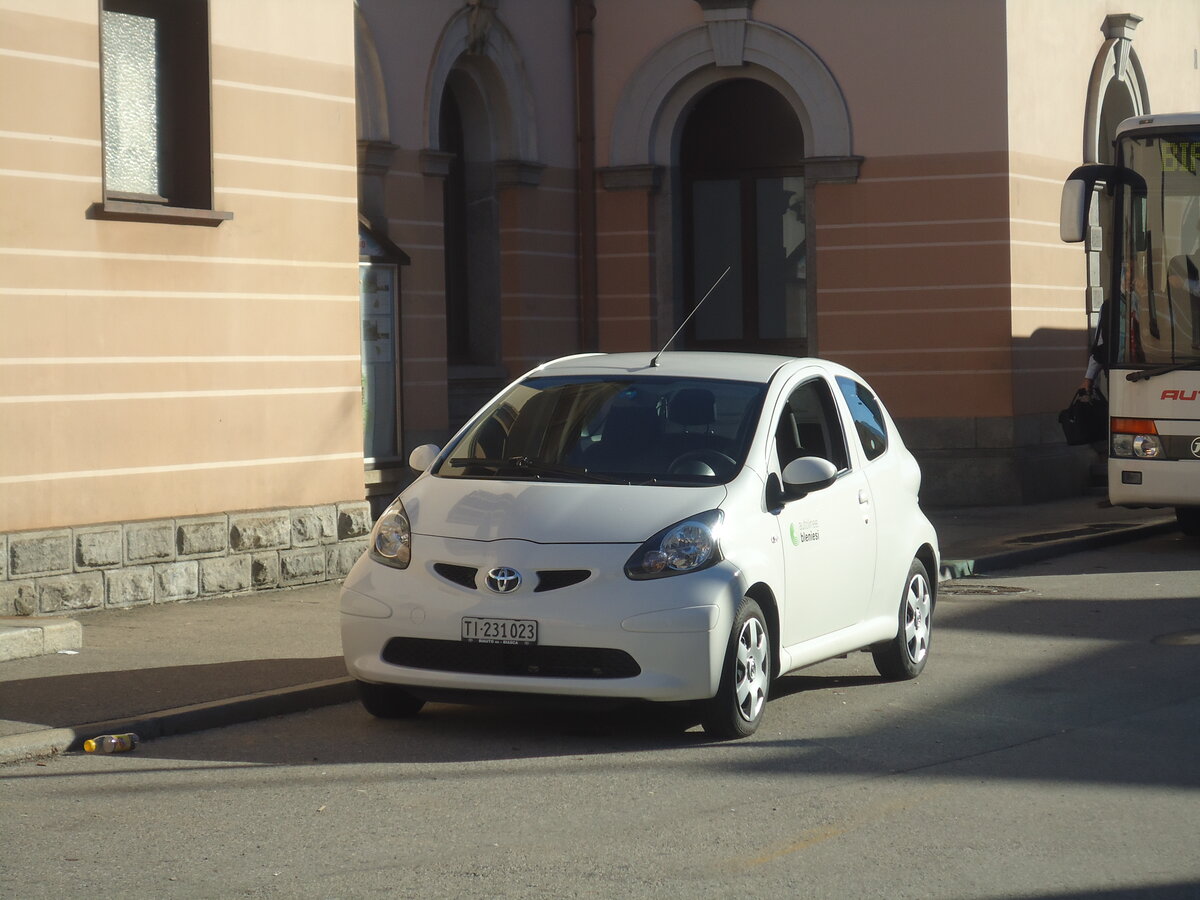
(535, 467)
(1147, 374)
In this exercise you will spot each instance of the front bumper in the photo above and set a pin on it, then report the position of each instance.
(674, 630)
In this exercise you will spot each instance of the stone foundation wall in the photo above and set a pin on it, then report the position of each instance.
(60, 571)
(996, 461)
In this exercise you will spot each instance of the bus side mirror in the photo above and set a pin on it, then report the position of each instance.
(1073, 213)
(1077, 196)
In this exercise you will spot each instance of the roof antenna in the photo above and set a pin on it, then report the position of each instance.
(695, 309)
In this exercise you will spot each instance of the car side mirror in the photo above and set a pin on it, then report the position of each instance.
(807, 474)
(423, 457)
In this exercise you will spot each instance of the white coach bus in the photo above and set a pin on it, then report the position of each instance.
(1151, 328)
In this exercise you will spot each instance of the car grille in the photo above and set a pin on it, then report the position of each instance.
(552, 580)
(463, 575)
(534, 660)
(548, 580)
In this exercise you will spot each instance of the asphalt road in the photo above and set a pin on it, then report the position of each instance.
(1050, 749)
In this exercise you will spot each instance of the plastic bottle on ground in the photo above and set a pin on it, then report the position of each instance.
(111, 743)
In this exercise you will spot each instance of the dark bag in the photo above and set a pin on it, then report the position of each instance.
(1086, 419)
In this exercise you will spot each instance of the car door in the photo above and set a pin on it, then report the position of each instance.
(829, 536)
(894, 479)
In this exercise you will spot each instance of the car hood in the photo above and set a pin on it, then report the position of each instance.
(550, 512)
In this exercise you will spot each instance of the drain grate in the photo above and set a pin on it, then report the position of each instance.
(986, 589)
(1083, 531)
(1179, 639)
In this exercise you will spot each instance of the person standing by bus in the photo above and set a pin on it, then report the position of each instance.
(1097, 353)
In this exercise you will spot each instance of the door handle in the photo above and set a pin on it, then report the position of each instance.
(863, 497)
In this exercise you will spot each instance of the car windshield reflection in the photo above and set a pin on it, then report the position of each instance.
(677, 431)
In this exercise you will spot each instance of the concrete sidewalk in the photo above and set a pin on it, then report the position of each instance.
(177, 668)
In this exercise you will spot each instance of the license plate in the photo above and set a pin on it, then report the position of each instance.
(499, 631)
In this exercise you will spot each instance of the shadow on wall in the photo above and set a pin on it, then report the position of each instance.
(1017, 458)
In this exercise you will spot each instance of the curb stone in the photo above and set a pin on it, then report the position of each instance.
(22, 637)
(1009, 559)
(181, 720)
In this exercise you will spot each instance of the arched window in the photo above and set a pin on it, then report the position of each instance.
(454, 212)
(741, 155)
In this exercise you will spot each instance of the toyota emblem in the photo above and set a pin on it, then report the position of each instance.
(1196, 448)
(503, 580)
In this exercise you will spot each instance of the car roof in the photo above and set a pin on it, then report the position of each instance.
(752, 367)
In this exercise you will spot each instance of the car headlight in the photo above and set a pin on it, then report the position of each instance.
(687, 546)
(391, 538)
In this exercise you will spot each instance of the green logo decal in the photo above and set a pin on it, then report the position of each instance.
(804, 532)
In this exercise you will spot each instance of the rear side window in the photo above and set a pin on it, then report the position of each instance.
(868, 416)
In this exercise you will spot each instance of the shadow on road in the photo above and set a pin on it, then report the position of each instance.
(62, 701)
(1079, 679)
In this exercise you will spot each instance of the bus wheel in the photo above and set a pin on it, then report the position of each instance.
(1189, 520)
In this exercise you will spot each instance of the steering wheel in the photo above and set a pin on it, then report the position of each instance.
(702, 462)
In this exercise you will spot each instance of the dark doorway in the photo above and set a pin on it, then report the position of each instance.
(741, 162)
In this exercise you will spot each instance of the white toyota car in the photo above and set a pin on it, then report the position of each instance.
(686, 527)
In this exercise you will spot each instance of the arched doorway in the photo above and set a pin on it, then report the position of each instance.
(459, 220)
(471, 241)
(647, 137)
(741, 155)
(478, 119)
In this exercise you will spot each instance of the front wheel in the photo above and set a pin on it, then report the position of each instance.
(737, 709)
(905, 655)
(386, 701)
(1189, 520)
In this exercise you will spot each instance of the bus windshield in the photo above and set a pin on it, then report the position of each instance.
(1157, 305)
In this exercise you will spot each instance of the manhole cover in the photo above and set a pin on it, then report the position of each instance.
(1083, 531)
(1179, 639)
(981, 589)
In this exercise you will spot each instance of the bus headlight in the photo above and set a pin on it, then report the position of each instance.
(1137, 446)
(1147, 446)
(1136, 439)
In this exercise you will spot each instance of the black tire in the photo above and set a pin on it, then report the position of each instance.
(905, 655)
(386, 701)
(1188, 518)
(741, 700)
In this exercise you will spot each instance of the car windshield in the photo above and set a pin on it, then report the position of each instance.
(644, 430)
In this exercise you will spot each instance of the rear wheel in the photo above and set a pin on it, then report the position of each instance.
(1189, 520)
(737, 709)
(905, 655)
(386, 701)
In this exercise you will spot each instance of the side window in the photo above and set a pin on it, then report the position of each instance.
(809, 426)
(868, 416)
